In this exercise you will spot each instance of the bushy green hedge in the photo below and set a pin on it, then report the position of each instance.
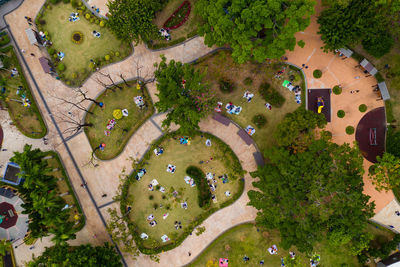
(204, 194)
(362, 108)
(4, 38)
(349, 130)
(341, 113)
(259, 120)
(232, 163)
(271, 95)
(337, 90)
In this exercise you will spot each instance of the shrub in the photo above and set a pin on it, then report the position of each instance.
(97, 21)
(61, 67)
(337, 90)
(54, 1)
(87, 16)
(102, 23)
(226, 86)
(341, 113)
(259, 120)
(74, 75)
(204, 194)
(151, 197)
(66, 1)
(52, 51)
(248, 81)
(92, 20)
(349, 130)
(4, 40)
(107, 57)
(155, 206)
(42, 22)
(317, 74)
(301, 43)
(271, 96)
(117, 54)
(362, 108)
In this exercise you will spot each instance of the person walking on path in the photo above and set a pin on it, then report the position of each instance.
(32, 54)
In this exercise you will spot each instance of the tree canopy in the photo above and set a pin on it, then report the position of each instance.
(386, 172)
(183, 94)
(313, 194)
(297, 128)
(131, 20)
(42, 202)
(255, 29)
(83, 255)
(349, 22)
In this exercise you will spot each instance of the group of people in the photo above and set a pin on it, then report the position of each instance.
(73, 17)
(165, 33)
(96, 34)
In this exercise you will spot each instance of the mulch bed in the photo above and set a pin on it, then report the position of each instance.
(375, 119)
(312, 97)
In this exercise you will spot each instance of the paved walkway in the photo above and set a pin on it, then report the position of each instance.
(104, 178)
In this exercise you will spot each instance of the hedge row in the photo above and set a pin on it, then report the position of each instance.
(204, 194)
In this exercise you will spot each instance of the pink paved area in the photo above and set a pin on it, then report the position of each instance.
(105, 177)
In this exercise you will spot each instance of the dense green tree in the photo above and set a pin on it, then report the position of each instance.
(80, 256)
(183, 94)
(358, 20)
(386, 172)
(393, 142)
(297, 128)
(42, 202)
(255, 29)
(131, 20)
(308, 194)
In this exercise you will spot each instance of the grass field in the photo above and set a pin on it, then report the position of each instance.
(27, 119)
(77, 56)
(64, 186)
(246, 240)
(182, 156)
(181, 33)
(125, 127)
(221, 65)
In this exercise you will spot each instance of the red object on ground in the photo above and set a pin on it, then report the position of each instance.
(8, 221)
(184, 19)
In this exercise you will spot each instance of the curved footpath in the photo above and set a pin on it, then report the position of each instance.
(76, 151)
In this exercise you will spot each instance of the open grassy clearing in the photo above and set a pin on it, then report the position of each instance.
(145, 202)
(125, 127)
(247, 240)
(187, 30)
(221, 65)
(27, 119)
(77, 56)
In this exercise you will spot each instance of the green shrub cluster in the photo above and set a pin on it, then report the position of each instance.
(4, 38)
(317, 74)
(226, 86)
(341, 113)
(271, 95)
(337, 90)
(349, 130)
(204, 194)
(362, 108)
(382, 252)
(259, 120)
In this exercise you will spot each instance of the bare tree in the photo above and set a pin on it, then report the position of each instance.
(84, 96)
(110, 85)
(74, 125)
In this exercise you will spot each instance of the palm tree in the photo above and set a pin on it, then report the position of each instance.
(63, 233)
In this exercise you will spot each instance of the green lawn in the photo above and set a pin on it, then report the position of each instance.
(27, 119)
(187, 30)
(64, 186)
(221, 65)
(246, 240)
(182, 156)
(125, 127)
(77, 56)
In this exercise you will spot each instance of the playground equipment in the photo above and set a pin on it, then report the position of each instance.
(320, 104)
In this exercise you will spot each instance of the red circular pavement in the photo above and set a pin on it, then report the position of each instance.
(11, 217)
(370, 134)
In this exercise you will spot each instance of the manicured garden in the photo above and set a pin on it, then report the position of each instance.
(187, 28)
(116, 134)
(17, 97)
(85, 41)
(170, 199)
(230, 81)
(248, 240)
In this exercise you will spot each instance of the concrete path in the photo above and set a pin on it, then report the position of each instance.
(75, 152)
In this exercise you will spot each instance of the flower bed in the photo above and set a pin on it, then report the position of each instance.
(179, 17)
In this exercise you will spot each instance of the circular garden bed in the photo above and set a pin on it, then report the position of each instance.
(168, 200)
(77, 37)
